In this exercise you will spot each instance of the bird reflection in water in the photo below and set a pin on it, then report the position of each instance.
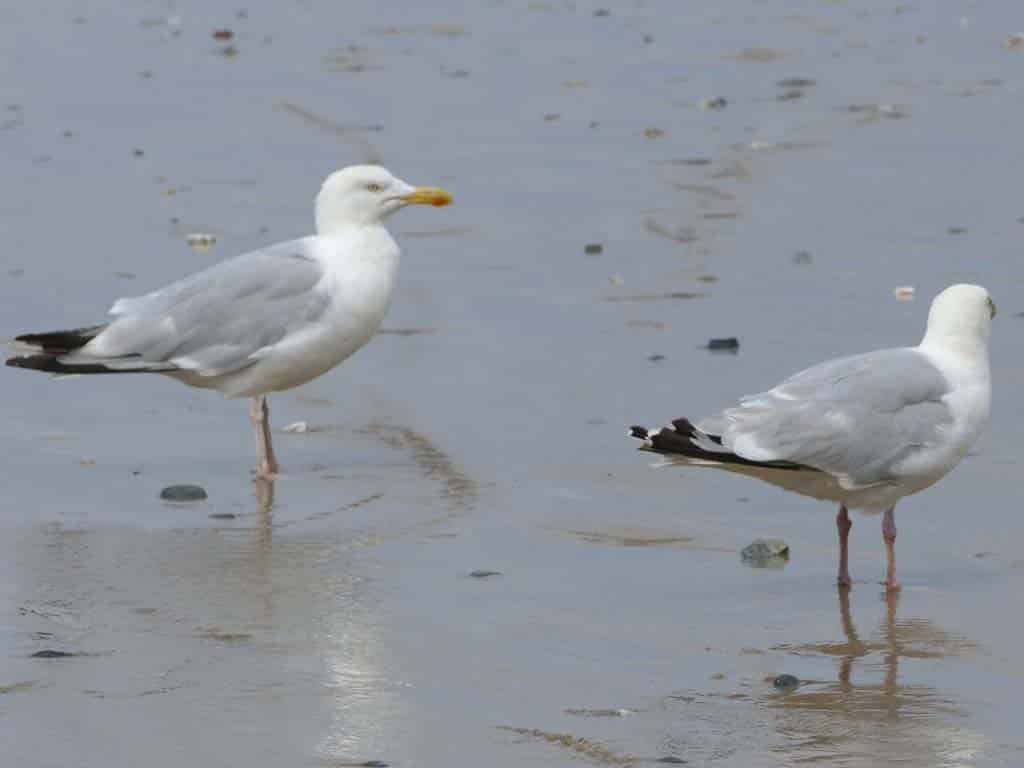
(854, 720)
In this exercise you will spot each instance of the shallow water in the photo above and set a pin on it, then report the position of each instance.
(332, 618)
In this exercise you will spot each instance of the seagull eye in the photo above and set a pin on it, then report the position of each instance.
(373, 187)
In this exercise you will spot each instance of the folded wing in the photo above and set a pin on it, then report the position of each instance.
(215, 321)
(857, 418)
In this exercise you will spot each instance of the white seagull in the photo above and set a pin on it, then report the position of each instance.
(265, 321)
(865, 430)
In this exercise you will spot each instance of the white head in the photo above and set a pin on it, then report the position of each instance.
(362, 195)
(960, 315)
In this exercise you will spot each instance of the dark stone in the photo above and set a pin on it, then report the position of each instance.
(483, 574)
(796, 82)
(223, 516)
(183, 493)
(656, 358)
(786, 682)
(592, 249)
(729, 344)
(51, 654)
(671, 760)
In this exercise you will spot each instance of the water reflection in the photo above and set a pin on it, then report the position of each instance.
(872, 712)
(255, 622)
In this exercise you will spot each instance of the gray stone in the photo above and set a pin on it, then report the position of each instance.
(183, 493)
(766, 553)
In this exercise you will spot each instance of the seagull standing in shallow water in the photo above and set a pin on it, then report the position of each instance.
(265, 321)
(865, 430)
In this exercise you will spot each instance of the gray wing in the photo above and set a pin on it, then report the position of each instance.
(215, 321)
(856, 418)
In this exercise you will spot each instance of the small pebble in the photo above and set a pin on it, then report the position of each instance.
(483, 574)
(671, 760)
(802, 257)
(728, 344)
(50, 654)
(765, 553)
(585, 712)
(201, 241)
(656, 358)
(796, 82)
(715, 103)
(183, 493)
(1014, 42)
(785, 681)
(602, 12)
(223, 516)
(957, 230)
(903, 292)
(223, 34)
(138, 152)
(653, 133)
(592, 249)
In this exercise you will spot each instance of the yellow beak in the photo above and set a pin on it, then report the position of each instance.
(428, 196)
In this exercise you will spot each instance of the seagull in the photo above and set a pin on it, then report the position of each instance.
(268, 320)
(863, 431)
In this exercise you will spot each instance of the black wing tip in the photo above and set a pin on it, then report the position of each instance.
(682, 438)
(61, 341)
(671, 438)
(52, 364)
(33, 362)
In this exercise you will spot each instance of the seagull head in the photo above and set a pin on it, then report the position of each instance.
(363, 195)
(960, 315)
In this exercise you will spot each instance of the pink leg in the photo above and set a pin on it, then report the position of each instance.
(844, 524)
(259, 414)
(889, 534)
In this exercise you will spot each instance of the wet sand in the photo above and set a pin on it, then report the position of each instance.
(764, 173)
